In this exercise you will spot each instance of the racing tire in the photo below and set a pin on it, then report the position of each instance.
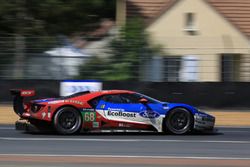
(67, 121)
(179, 121)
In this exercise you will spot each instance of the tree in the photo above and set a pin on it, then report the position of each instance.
(52, 17)
(128, 50)
(45, 19)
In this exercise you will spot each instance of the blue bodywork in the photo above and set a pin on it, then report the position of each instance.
(158, 110)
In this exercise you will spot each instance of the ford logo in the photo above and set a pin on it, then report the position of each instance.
(149, 114)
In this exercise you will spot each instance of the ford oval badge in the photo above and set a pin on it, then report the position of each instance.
(149, 114)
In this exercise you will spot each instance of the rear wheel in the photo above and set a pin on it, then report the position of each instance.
(179, 121)
(67, 120)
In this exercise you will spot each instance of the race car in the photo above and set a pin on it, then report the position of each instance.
(106, 110)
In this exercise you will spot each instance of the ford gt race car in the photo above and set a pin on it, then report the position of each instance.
(112, 109)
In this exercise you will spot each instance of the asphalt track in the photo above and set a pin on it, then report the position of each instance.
(226, 147)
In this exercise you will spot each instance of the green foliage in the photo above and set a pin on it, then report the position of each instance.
(129, 49)
(93, 69)
(40, 21)
(50, 17)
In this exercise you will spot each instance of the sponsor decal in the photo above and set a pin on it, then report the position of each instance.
(73, 101)
(27, 93)
(89, 116)
(124, 125)
(165, 107)
(121, 114)
(149, 114)
(43, 115)
(116, 109)
(56, 102)
(49, 115)
(49, 112)
(95, 124)
(88, 110)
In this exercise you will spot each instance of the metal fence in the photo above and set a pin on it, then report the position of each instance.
(46, 58)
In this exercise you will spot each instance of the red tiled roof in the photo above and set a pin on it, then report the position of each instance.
(147, 9)
(236, 11)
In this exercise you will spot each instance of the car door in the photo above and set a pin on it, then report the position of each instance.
(115, 107)
(152, 111)
(128, 108)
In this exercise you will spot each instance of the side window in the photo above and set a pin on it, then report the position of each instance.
(94, 102)
(129, 98)
(112, 98)
(150, 100)
(124, 98)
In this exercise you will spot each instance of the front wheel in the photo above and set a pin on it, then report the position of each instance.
(179, 121)
(67, 120)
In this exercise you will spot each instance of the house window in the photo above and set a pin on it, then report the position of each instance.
(189, 20)
(171, 69)
(230, 67)
(189, 70)
(190, 25)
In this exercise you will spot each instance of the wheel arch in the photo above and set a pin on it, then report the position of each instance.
(67, 105)
(164, 129)
(183, 107)
(62, 130)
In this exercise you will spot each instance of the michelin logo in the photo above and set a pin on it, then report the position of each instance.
(121, 114)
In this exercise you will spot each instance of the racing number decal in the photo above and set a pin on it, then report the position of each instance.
(89, 116)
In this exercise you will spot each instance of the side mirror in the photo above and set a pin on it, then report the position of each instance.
(143, 101)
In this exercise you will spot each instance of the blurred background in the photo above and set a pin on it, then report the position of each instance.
(184, 51)
(202, 43)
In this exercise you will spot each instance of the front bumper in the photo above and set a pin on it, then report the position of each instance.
(203, 122)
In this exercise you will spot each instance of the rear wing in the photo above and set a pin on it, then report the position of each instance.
(22, 93)
(19, 94)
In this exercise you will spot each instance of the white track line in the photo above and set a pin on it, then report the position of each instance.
(7, 128)
(128, 156)
(235, 127)
(235, 131)
(124, 140)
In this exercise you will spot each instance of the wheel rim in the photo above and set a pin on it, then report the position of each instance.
(68, 120)
(179, 121)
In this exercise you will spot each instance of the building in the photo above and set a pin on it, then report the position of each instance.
(206, 40)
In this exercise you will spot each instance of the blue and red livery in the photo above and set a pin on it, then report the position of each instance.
(112, 109)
